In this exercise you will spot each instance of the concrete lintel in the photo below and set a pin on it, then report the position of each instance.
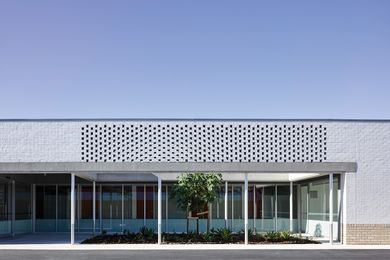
(148, 167)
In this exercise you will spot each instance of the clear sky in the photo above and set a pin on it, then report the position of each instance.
(195, 59)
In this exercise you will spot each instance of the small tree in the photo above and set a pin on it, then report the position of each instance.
(195, 191)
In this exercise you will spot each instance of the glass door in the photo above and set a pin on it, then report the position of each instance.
(112, 208)
(5, 218)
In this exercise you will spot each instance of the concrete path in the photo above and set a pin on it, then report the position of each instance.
(179, 247)
(197, 255)
(42, 239)
(61, 241)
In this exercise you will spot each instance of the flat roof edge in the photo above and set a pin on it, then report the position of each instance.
(192, 120)
(128, 167)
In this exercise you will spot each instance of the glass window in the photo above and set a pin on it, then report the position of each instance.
(259, 202)
(112, 202)
(238, 202)
(46, 202)
(173, 211)
(86, 202)
(283, 201)
(128, 202)
(269, 202)
(140, 202)
(63, 202)
(218, 207)
(4, 202)
(23, 201)
(149, 203)
(250, 202)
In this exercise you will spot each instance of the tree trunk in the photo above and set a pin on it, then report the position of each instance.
(188, 221)
(197, 226)
(208, 219)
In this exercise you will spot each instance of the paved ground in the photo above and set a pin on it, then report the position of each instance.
(43, 238)
(196, 254)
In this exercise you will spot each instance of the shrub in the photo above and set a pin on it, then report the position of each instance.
(208, 237)
(272, 236)
(285, 235)
(224, 235)
(146, 233)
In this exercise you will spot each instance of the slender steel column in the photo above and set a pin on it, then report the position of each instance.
(254, 207)
(72, 207)
(299, 198)
(246, 208)
(291, 206)
(276, 207)
(331, 208)
(226, 204)
(94, 206)
(159, 209)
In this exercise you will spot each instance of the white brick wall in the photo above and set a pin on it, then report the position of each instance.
(367, 143)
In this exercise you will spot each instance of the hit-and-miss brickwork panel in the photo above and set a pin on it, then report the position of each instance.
(203, 142)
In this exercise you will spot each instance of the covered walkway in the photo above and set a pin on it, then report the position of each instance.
(260, 174)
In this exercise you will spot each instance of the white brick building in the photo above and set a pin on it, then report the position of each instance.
(130, 162)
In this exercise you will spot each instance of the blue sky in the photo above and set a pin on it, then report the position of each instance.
(195, 59)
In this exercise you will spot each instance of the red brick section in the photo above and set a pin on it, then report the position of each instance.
(368, 234)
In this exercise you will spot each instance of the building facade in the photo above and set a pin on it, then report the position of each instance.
(327, 179)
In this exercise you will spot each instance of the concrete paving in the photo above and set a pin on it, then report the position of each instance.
(198, 254)
(61, 241)
(42, 239)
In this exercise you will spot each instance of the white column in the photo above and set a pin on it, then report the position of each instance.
(254, 207)
(299, 207)
(94, 206)
(331, 208)
(343, 208)
(291, 206)
(13, 207)
(159, 209)
(246, 208)
(276, 207)
(72, 207)
(226, 204)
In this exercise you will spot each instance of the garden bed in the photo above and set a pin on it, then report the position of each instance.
(220, 236)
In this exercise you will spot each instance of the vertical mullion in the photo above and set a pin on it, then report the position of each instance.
(123, 205)
(144, 204)
(166, 208)
(254, 207)
(226, 204)
(56, 207)
(101, 208)
(13, 207)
